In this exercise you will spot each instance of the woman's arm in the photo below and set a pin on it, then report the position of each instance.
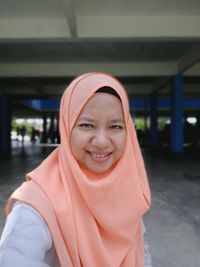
(25, 239)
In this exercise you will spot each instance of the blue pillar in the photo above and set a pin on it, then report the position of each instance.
(5, 123)
(177, 138)
(154, 119)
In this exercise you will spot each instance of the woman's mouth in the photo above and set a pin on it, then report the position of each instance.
(99, 157)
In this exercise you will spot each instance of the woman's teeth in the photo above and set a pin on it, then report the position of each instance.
(99, 155)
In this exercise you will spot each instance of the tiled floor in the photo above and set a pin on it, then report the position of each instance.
(173, 224)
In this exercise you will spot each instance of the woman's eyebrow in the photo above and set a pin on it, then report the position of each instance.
(118, 121)
(90, 119)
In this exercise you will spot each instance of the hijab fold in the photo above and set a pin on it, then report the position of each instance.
(99, 218)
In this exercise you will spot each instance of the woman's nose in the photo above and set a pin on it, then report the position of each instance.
(100, 139)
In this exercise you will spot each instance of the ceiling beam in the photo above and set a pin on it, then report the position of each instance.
(70, 16)
(160, 83)
(35, 85)
(138, 27)
(193, 71)
(53, 69)
(18, 90)
(141, 26)
(189, 59)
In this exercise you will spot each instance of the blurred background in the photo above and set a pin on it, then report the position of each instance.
(153, 48)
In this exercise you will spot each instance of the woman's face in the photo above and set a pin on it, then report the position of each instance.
(99, 135)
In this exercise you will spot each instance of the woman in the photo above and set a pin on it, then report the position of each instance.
(83, 205)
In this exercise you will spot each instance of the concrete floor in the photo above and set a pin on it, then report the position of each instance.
(173, 223)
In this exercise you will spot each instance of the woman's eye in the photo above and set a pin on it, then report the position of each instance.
(86, 125)
(117, 127)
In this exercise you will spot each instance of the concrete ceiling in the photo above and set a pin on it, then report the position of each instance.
(46, 43)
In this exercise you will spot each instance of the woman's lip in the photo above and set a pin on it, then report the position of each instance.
(99, 157)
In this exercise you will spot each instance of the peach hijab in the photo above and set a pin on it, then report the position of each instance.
(96, 219)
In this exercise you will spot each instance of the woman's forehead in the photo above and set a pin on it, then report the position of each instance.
(81, 91)
(103, 103)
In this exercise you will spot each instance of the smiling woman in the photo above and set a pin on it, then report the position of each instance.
(83, 206)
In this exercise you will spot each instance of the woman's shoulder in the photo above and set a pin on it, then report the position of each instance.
(25, 236)
(25, 215)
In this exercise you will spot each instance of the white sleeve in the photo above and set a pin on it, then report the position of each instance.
(147, 255)
(25, 238)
